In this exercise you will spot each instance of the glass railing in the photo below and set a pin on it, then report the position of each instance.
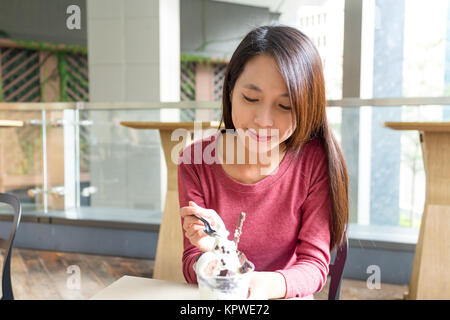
(75, 161)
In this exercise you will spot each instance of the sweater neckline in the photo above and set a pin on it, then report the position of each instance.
(235, 185)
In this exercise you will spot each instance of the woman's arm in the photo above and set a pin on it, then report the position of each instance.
(308, 273)
(189, 189)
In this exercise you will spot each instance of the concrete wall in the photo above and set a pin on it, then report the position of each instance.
(42, 20)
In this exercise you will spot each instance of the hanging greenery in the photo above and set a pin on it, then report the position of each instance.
(195, 58)
(200, 59)
(4, 34)
(52, 47)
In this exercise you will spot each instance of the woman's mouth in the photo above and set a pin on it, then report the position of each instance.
(259, 138)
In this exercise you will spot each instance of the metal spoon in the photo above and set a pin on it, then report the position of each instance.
(208, 229)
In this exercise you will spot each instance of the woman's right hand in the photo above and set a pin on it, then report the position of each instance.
(194, 228)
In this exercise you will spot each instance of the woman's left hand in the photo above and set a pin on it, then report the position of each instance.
(258, 289)
(266, 285)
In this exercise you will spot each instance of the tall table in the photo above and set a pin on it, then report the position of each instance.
(430, 273)
(168, 260)
(10, 123)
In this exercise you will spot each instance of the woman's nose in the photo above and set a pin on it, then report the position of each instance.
(263, 117)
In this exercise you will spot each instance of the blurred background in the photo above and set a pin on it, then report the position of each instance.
(72, 70)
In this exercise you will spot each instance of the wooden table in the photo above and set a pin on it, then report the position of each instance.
(10, 123)
(136, 288)
(168, 260)
(430, 276)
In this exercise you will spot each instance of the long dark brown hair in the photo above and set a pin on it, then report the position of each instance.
(301, 67)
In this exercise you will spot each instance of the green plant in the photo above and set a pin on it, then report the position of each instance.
(52, 47)
(4, 34)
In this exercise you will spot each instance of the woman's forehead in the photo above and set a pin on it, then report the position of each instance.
(261, 74)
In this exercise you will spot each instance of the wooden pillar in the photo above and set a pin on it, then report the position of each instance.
(49, 77)
(204, 89)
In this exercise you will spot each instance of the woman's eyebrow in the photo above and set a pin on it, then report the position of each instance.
(251, 86)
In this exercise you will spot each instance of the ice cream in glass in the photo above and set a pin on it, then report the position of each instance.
(224, 272)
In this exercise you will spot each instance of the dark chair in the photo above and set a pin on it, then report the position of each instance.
(7, 291)
(337, 270)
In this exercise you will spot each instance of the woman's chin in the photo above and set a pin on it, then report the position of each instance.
(259, 147)
(263, 147)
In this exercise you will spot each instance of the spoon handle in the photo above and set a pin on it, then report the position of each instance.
(201, 219)
(238, 231)
(208, 228)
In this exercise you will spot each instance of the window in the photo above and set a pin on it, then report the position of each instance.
(330, 51)
(404, 54)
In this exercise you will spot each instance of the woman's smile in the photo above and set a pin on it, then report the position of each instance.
(259, 136)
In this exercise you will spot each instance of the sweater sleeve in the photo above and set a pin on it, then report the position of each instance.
(189, 189)
(309, 272)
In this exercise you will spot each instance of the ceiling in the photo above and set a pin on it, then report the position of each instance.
(274, 5)
(271, 4)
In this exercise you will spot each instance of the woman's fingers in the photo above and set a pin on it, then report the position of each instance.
(194, 228)
(195, 231)
(208, 214)
(187, 211)
(190, 221)
(193, 204)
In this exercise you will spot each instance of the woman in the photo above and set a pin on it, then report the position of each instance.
(295, 194)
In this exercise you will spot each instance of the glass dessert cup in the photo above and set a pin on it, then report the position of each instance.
(233, 287)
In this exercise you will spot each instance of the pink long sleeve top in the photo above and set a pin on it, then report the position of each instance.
(286, 228)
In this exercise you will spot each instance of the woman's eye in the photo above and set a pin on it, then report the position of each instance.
(285, 107)
(249, 99)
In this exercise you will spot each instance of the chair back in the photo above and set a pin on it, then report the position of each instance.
(7, 292)
(337, 270)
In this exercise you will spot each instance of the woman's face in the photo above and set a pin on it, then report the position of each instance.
(261, 109)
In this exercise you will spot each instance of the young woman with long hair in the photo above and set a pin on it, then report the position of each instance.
(295, 196)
